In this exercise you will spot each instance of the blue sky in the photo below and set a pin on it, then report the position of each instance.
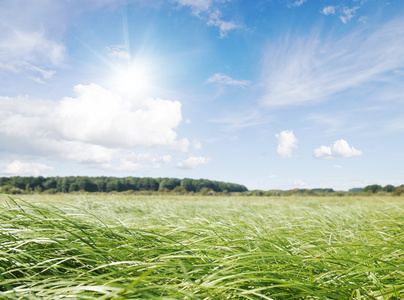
(274, 94)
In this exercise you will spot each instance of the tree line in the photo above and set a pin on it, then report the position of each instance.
(51, 185)
(376, 188)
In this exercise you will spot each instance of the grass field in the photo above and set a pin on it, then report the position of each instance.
(190, 247)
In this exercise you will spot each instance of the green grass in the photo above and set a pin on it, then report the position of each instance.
(166, 247)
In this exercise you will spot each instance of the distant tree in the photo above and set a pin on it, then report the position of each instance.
(112, 185)
(399, 191)
(310, 193)
(87, 185)
(74, 187)
(374, 188)
(169, 183)
(188, 184)
(50, 183)
(205, 191)
(179, 190)
(389, 188)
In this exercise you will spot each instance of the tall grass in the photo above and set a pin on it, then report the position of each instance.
(122, 247)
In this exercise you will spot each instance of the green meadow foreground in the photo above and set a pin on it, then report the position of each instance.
(192, 247)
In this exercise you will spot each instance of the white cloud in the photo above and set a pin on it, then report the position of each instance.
(339, 149)
(328, 10)
(116, 51)
(197, 6)
(20, 168)
(286, 143)
(180, 146)
(192, 162)
(197, 145)
(226, 80)
(95, 116)
(297, 3)
(224, 26)
(135, 162)
(24, 51)
(307, 68)
(337, 167)
(96, 127)
(101, 117)
(202, 8)
(348, 14)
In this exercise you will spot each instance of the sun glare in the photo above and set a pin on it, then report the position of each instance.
(134, 78)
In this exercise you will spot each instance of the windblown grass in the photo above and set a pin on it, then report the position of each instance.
(122, 247)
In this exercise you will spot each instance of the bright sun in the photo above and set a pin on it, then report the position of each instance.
(133, 78)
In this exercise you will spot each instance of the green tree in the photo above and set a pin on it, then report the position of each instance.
(399, 191)
(169, 183)
(50, 183)
(188, 184)
(74, 187)
(374, 188)
(389, 188)
(179, 190)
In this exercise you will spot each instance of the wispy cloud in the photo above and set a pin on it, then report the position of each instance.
(208, 9)
(226, 80)
(224, 26)
(118, 52)
(197, 6)
(297, 3)
(309, 68)
(30, 52)
(348, 14)
(237, 121)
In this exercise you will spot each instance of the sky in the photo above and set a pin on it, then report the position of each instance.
(272, 94)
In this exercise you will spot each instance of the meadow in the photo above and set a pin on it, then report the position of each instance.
(115, 246)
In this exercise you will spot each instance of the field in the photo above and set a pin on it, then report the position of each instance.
(193, 247)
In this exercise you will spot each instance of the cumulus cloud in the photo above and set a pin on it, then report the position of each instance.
(328, 10)
(21, 168)
(135, 162)
(286, 143)
(192, 162)
(180, 146)
(115, 121)
(96, 126)
(203, 8)
(309, 68)
(339, 149)
(226, 80)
